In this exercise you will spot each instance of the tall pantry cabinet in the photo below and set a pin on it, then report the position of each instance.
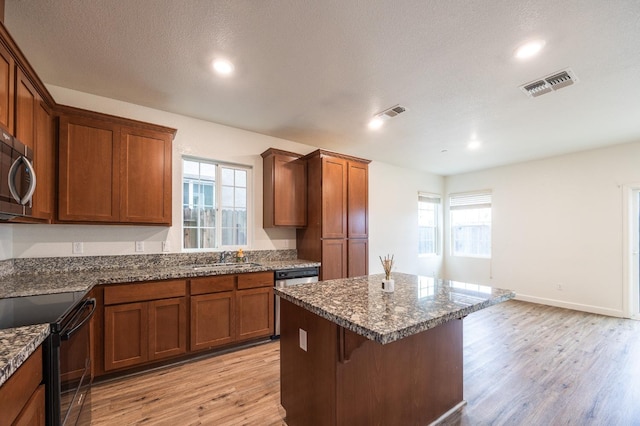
(337, 215)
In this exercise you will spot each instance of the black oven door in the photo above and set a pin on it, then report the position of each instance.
(75, 366)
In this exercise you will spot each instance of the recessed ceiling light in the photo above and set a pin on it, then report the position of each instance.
(223, 67)
(529, 49)
(375, 123)
(473, 145)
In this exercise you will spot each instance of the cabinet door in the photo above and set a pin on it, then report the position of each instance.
(16, 392)
(33, 413)
(358, 195)
(212, 320)
(289, 191)
(145, 160)
(89, 179)
(334, 198)
(126, 335)
(358, 254)
(254, 313)
(27, 100)
(44, 163)
(167, 328)
(334, 259)
(7, 94)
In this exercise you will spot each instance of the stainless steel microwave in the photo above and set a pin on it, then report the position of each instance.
(17, 177)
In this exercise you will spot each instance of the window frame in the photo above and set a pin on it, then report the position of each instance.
(435, 199)
(470, 200)
(217, 204)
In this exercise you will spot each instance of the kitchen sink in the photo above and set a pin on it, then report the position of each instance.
(222, 266)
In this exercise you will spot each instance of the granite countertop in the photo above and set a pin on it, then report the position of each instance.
(417, 304)
(16, 345)
(18, 285)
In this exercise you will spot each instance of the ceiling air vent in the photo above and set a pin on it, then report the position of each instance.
(550, 83)
(391, 112)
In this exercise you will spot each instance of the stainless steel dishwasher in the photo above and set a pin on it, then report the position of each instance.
(289, 277)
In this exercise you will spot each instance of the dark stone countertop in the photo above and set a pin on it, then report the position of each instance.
(24, 284)
(417, 304)
(17, 344)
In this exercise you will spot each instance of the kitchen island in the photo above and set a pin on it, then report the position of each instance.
(352, 354)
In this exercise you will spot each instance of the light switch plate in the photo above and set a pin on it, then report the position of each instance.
(303, 339)
(139, 246)
(166, 246)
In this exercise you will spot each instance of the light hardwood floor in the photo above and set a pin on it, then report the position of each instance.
(524, 364)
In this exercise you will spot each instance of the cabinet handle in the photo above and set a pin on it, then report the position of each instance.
(13, 171)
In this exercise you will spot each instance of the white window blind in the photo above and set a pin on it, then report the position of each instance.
(473, 200)
(470, 223)
(428, 223)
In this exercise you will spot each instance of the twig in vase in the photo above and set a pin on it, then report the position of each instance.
(387, 265)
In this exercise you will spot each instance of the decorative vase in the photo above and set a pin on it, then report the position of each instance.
(388, 285)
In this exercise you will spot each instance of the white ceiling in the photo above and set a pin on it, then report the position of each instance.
(316, 71)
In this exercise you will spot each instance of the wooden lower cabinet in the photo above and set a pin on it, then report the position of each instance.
(22, 399)
(33, 414)
(346, 379)
(358, 255)
(254, 313)
(212, 320)
(167, 328)
(126, 330)
(135, 333)
(334, 259)
(159, 320)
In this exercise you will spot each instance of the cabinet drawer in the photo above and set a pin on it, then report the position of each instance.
(213, 284)
(255, 279)
(144, 291)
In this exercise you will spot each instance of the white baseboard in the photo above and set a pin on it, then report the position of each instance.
(575, 306)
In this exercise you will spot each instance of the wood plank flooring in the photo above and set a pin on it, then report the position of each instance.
(524, 364)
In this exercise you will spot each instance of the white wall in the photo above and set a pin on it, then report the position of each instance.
(392, 221)
(393, 218)
(194, 137)
(6, 237)
(555, 221)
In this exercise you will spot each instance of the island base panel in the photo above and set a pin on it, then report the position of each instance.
(346, 379)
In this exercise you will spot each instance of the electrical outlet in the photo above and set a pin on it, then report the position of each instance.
(166, 246)
(77, 248)
(139, 246)
(303, 339)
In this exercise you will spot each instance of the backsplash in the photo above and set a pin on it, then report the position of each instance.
(44, 265)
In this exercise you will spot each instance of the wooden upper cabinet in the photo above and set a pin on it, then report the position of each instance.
(334, 198)
(284, 189)
(27, 101)
(88, 185)
(7, 86)
(113, 170)
(358, 196)
(44, 163)
(145, 176)
(337, 222)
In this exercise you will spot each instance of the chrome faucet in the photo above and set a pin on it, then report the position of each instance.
(223, 257)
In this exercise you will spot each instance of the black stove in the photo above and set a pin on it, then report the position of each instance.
(40, 309)
(66, 351)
